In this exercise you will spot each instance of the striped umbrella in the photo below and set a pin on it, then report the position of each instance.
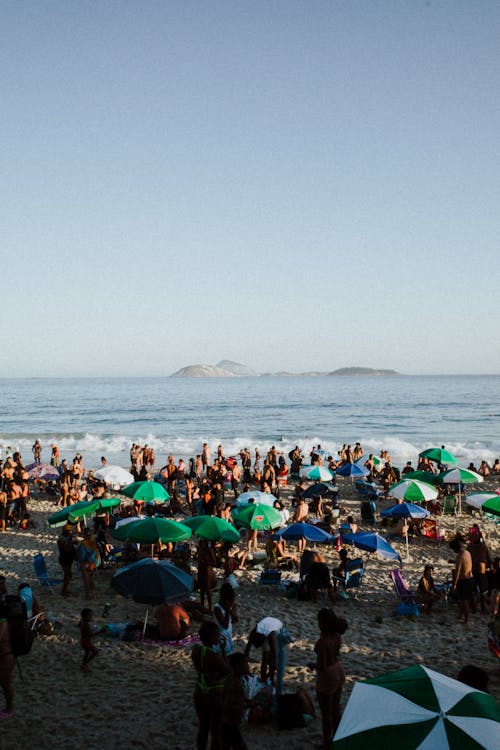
(460, 476)
(413, 490)
(418, 708)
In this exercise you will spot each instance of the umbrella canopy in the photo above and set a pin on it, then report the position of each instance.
(115, 475)
(317, 490)
(440, 455)
(153, 582)
(422, 476)
(371, 542)
(108, 503)
(213, 528)
(319, 474)
(405, 510)
(413, 490)
(42, 471)
(478, 499)
(304, 531)
(148, 492)
(492, 506)
(257, 516)
(352, 470)
(377, 460)
(418, 708)
(255, 496)
(73, 512)
(460, 476)
(152, 530)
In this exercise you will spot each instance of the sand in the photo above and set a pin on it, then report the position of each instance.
(140, 696)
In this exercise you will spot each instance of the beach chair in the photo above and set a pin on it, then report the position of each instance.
(41, 573)
(270, 577)
(401, 587)
(450, 506)
(355, 571)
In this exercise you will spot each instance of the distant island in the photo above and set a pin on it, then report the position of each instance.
(228, 369)
(362, 371)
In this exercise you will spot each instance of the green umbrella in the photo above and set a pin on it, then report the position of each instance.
(108, 503)
(417, 708)
(152, 492)
(422, 476)
(151, 531)
(73, 512)
(256, 516)
(213, 528)
(413, 491)
(440, 455)
(492, 506)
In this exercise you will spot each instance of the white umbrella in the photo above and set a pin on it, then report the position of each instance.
(263, 498)
(114, 475)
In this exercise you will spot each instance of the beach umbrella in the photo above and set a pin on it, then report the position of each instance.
(73, 512)
(460, 476)
(413, 490)
(304, 531)
(478, 499)
(405, 510)
(492, 506)
(319, 474)
(42, 471)
(371, 542)
(257, 516)
(255, 496)
(352, 470)
(152, 530)
(152, 582)
(317, 490)
(115, 475)
(108, 503)
(213, 528)
(422, 476)
(148, 492)
(439, 455)
(415, 708)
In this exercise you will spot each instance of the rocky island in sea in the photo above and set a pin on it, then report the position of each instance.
(228, 369)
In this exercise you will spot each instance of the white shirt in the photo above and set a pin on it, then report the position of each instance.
(268, 625)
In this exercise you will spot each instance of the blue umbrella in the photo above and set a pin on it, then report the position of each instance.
(352, 470)
(304, 531)
(153, 582)
(405, 510)
(372, 542)
(317, 490)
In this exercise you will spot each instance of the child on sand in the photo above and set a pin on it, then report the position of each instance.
(87, 632)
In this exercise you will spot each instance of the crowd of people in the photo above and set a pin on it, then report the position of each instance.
(211, 485)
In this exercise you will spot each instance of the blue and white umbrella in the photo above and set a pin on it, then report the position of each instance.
(352, 470)
(304, 531)
(372, 542)
(255, 496)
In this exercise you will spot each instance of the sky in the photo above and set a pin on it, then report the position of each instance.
(291, 185)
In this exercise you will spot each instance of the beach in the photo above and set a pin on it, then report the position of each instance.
(139, 695)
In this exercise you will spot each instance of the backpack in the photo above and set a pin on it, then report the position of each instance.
(21, 635)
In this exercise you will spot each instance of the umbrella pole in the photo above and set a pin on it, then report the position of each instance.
(459, 499)
(407, 547)
(145, 623)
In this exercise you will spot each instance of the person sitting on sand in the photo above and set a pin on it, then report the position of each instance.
(173, 621)
(427, 592)
(277, 554)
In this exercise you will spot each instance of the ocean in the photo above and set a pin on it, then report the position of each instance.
(103, 416)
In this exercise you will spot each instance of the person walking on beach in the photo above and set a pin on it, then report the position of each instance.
(212, 669)
(87, 632)
(89, 558)
(330, 677)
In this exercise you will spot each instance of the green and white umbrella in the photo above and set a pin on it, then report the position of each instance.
(478, 499)
(257, 516)
(460, 476)
(492, 506)
(440, 455)
(413, 491)
(418, 708)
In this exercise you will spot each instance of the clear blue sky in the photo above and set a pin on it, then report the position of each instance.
(291, 185)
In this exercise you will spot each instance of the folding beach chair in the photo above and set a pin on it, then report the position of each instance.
(355, 570)
(450, 506)
(401, 587)
(41, 573)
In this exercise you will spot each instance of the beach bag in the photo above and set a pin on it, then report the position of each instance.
(21, 635)
(407, 610)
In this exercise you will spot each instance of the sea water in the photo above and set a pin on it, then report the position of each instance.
(102, 417)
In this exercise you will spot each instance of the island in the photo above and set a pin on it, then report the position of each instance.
(362, 371)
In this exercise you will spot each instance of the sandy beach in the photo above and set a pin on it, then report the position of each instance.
(140, 696)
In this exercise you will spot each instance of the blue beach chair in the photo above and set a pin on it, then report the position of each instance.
(41, 573)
